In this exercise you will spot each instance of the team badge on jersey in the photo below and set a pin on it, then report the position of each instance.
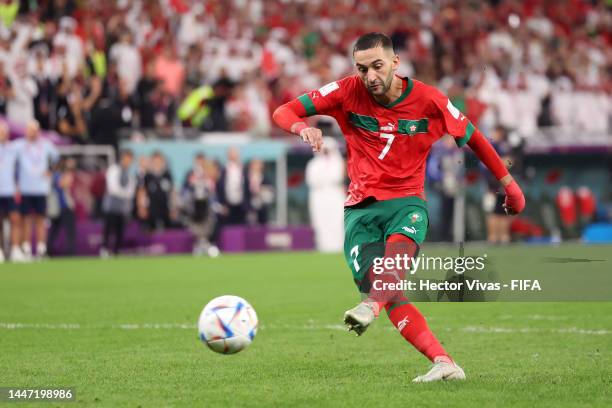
(415, 217)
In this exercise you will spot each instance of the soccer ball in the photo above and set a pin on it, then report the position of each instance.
(227, 324)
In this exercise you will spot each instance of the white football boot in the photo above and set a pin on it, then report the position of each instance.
(441, 370)
(359, 318)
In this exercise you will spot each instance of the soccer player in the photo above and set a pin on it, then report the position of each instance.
(35, 156)
(389, 124)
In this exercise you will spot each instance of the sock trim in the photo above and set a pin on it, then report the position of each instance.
(396, 305)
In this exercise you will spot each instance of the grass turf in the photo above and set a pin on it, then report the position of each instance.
(122, 333)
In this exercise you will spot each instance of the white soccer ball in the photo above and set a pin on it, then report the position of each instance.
(228, 324)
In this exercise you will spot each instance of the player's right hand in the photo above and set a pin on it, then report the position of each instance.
(314, 137)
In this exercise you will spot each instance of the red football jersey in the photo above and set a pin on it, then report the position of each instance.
(387, 145)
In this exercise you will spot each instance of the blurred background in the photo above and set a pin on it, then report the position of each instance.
(159, 118)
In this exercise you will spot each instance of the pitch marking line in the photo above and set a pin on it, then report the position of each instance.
(307, 326)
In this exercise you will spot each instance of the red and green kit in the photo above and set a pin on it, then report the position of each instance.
(387, 145)
(387, 148)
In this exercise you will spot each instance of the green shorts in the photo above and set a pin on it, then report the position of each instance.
(367, 228)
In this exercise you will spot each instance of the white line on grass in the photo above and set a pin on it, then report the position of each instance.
(306, 326)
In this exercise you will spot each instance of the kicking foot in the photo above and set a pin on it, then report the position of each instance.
(441, 370)
(359, 318)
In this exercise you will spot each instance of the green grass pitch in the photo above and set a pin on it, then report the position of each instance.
(122, 332)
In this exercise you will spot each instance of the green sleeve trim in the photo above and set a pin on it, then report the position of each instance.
(469, 130)
(308, 105)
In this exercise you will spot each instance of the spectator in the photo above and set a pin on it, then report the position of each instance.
(6, 89)
(35, 156)
(8, 194)
(8, 11)
(20, 104)
(62, 214)
(70, 110)
(141, 200)
(147, 92)
(44, 101)
(170, 70)
(118, 201)
(127, 58)
(199, 202)
(159, 188)
(72, 45)
(325, 180)
(231, 189)
(258, 192)
(112, 113)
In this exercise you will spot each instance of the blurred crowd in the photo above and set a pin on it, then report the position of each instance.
(43, 195)
(209, 197)
(91, 69)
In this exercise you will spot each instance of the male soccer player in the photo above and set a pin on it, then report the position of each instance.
(389, 124)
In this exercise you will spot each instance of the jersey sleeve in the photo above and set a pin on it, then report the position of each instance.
(327, 98)
(453, 121)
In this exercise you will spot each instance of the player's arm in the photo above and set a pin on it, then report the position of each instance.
(290, 116)
(464, 132)
(515, 200)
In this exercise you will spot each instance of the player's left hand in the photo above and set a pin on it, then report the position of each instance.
(515, 200)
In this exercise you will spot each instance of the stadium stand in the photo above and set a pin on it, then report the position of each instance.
(88, 68)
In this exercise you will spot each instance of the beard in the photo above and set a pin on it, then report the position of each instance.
(380, 87)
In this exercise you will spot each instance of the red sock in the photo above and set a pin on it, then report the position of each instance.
(413, 327)
(407, 318)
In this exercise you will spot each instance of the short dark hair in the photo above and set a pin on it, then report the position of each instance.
(373, 40)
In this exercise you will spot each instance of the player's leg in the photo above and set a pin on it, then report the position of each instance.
(362, 241)
(40, 218)
(108, 230)
(17, 254)
(406, 230)
(120, 231)
(26, 227)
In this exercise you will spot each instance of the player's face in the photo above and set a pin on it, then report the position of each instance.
(376, 67)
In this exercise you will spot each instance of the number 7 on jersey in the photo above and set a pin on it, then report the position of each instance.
(390, 139)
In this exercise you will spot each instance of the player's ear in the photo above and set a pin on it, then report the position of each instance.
(395, 61)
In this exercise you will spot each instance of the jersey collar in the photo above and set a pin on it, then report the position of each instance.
(404, 94)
